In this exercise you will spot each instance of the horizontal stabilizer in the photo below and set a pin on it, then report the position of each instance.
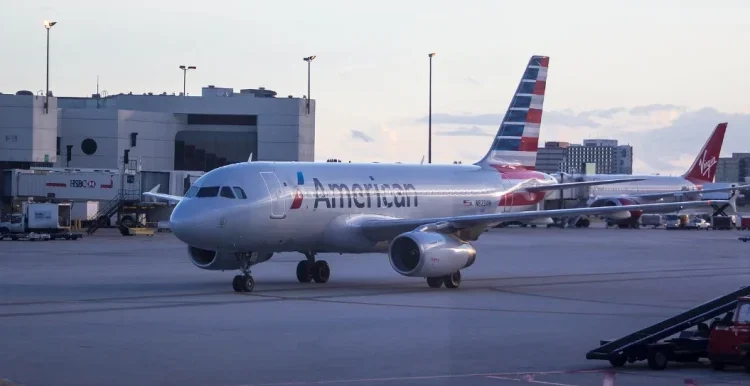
(163, 196)
(566, 185)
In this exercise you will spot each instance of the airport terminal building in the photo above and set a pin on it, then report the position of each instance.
(91, 136)
(163, 132)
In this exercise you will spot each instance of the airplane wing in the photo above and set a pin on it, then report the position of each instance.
(379, 229)
(566, 185)
(655, 196)
(163, 196)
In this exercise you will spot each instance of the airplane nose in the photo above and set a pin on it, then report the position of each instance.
(181, 225)
(192, 226)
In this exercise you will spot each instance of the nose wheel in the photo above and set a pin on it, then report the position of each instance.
(308, 270)
(245, 282)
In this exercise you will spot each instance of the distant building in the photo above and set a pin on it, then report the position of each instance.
(607, 156)
(550, 158)
(733, 169)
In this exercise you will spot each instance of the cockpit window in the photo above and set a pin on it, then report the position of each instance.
(239, 192)
(227, 192)
(208, 191)
(191, 192)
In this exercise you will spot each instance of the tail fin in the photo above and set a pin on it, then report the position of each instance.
(515, 145)
(703, 168)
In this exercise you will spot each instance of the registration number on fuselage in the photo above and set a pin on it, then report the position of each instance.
(483, 203)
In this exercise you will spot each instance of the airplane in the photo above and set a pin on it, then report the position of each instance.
(423, 216)
(652, 189)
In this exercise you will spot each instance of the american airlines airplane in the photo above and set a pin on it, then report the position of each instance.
(651, 189)
(423, 216)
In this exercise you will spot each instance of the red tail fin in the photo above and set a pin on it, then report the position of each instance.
(703, 168)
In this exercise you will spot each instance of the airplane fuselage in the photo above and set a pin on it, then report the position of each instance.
(309, 206)
(650, 185)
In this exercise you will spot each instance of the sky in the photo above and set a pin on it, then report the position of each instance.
(658, 75)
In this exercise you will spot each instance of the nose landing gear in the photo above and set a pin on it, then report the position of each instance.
(245, 282)
(310, 269)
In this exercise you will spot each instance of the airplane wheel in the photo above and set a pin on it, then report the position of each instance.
(435, 282)
(321, 272)
(237, 284)
(303, 272)
(657, 360)
(248, 283)
(453, 280)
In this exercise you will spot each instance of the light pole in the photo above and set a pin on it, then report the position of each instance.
(429, 138)
(184, 77)
(308, 59)
(47, 25)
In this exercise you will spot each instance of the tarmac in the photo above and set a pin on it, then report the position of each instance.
(114, 310)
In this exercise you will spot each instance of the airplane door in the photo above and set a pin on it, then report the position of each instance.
(278, 200)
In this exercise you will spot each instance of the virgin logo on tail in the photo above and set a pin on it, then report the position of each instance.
(706, 165)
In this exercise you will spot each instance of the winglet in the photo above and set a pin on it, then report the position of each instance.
(250, 159)
(155, 189)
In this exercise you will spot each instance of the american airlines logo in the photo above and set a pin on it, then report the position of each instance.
(368, 195)
(706, 165)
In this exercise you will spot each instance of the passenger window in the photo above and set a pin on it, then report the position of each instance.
(208, 191)
(227, 192)
(239, 192)
(191, 192)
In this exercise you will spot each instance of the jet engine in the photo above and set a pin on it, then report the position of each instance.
(219, 261)
(429, 254)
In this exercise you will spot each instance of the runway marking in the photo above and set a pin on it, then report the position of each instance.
(530, 380)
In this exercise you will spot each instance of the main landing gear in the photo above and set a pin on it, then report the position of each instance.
(245, 282)
(451, 281)
(313, 270)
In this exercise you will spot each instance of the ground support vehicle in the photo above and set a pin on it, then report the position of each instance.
(689, 346)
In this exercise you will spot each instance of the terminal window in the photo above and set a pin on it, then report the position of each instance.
(222, 119)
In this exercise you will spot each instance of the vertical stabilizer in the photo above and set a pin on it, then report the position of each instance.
(703, 169)
(515, 145)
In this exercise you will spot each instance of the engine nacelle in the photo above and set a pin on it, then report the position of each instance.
(219, 261)
(429, 254)
(624, 215)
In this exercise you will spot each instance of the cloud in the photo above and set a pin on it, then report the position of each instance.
(472, 81)
(666, 138)
(356, 134)
(655, 108)
(563, 118)
(464, 132)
